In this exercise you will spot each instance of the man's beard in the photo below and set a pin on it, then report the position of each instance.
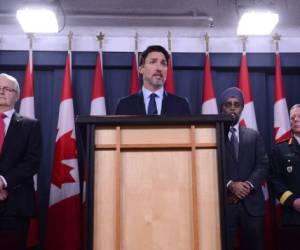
(156, 82)
(235, 116)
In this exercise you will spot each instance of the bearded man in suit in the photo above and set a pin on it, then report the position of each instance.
(246, 167)
(152, 99)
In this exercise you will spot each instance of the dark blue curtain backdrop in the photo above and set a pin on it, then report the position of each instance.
(188, 75)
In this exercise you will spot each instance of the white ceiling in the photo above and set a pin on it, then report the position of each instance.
(164, 13)
(188, 21)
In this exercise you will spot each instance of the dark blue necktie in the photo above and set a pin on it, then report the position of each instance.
(234, 142)
(152, 109)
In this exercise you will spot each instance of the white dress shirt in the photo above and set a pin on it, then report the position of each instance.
(158, 98)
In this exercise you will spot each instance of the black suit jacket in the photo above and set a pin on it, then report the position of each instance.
(252, 165)
(172, 105)
(285, 177)
(19, 161)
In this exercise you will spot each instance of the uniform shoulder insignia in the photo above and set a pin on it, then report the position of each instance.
(288, 140)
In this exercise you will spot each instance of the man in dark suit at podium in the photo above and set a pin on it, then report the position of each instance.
(246, 168)
(152, 99)
(20, 151)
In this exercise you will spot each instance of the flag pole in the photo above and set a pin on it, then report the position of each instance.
(206, 37)
(134, 85)
(244, 41)
(70, 37)
(209, 104)
(100, 39)
(136, 41)
(169, 41)
(276, 39)
(169, 84)
(30, 37)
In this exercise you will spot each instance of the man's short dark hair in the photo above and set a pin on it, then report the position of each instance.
(153, 48)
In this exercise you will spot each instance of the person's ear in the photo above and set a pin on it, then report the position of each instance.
(141, 69)
(17, 96)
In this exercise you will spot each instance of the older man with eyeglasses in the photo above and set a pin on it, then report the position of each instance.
(246, 167)
(20, 153)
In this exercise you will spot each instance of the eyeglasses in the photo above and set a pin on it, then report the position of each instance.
(7, 89)
(230, 104)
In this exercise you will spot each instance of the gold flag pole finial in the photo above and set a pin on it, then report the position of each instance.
(100, 38)
(276, 39)
(244, 41)
(206, 37)
(136, 39)
(169, 41)
(70, 36)
(30, 38)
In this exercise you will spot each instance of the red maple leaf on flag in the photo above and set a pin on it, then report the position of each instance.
(65, 149)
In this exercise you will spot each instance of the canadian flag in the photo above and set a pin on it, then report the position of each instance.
(247, 118)
(209, 103)
(64, 203)
(27, 96)
(98, 107)
(134, 86)
(98, 100)
(282, 129)
(169, 84)
(27, 109)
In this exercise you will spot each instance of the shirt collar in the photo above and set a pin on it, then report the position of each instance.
(147, 92)
(297, 139)
(9, 113)
(237, 128)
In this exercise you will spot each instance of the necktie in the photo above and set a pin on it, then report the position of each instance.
(234, 142)
(152, 109)
(2, 130)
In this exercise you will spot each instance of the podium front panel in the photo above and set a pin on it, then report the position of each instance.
(156, 187)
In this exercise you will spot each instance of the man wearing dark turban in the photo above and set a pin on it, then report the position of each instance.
(246, 167)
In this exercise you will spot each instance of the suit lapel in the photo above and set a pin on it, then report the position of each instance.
(295, 146)
(14, 124)
(165, 103)
(230, 149)
(242, 135)
(139, 103)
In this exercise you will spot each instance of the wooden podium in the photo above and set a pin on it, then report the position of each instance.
(155, 183)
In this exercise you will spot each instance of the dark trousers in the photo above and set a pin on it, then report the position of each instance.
(244, 231)
(13, 233)
(289, 237)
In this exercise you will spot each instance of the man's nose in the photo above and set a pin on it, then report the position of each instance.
(297, 118)
(159, 68)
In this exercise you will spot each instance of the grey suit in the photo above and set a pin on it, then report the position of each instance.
(252, 166)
